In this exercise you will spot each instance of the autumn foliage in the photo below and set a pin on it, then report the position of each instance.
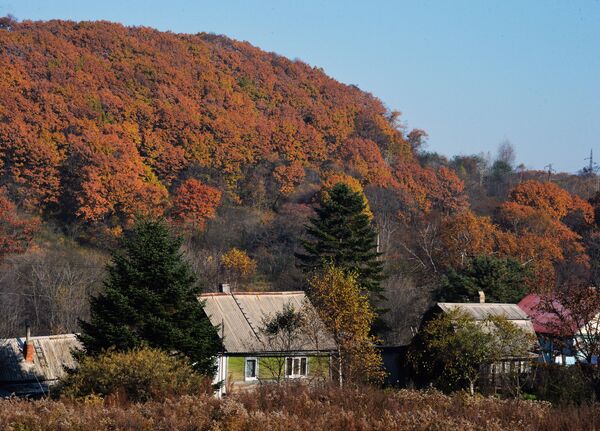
(100, 123)
(194, 203)
(16, 233)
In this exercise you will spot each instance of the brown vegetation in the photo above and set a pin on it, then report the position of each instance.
(291, 407)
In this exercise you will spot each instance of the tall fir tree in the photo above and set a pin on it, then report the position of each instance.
(343, 235)
(150, 297)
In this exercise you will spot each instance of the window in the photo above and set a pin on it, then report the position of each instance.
(251, 369)
(296, 367)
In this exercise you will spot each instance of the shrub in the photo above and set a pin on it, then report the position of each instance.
(561, 385)
(295, 407)
(139, 375)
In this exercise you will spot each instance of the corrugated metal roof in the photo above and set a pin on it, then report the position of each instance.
(481, 311)
(51, 354)
(538, 307)
(241, 315)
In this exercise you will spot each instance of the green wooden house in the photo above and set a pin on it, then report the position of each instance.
(250, 355)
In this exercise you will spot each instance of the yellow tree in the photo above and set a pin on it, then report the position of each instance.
(346, 312)
(238, 265)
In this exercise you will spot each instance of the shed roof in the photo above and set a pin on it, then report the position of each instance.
(481, 311)
(544, 312)
(51, 355)
(241, 315)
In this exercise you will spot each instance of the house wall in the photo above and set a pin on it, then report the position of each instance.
(271, 368)
(236, 368)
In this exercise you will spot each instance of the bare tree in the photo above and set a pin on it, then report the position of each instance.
(49, 289)
(506, 153)
(288, 332)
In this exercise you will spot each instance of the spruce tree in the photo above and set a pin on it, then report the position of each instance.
(342, 235)
(150, 298)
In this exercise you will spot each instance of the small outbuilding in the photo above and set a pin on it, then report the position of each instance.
(30, 366)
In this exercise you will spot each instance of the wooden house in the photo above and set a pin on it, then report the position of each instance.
(249, 355)
(30, 366)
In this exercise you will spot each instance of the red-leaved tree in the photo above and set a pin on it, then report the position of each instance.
(194, 203)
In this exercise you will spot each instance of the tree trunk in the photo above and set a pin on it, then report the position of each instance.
(341, 380)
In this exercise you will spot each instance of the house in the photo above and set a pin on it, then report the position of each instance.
(250, 355)
(494, 377)
(556, 329)
(30, 366)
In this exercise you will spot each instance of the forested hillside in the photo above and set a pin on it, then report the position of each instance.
(101, 122)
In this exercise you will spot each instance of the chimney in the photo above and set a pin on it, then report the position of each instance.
(28, 348)
(481, 297)
(224, 288)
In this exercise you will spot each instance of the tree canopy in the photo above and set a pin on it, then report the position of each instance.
(451, 348)
(150, 298)
(501, 279)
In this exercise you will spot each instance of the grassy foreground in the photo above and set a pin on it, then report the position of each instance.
(299, 408)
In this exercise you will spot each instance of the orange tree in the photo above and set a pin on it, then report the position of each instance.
(194, 203)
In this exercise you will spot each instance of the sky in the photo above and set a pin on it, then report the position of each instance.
(471, 73)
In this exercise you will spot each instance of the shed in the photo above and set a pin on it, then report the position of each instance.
(33, 374)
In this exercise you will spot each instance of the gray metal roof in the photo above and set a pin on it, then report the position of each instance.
(481, 311)
(51, 354)
(241, 316)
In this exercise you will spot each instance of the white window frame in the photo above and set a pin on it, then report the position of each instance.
(246, 377)
(292, 375)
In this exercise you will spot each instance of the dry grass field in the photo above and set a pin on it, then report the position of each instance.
(299, 408)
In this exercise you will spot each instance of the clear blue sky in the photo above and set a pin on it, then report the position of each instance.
(471, 73)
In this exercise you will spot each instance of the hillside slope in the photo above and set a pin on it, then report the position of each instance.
(99, 121)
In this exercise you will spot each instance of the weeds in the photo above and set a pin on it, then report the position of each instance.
(297, 407)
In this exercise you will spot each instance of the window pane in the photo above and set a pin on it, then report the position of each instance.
(250, 367)
(296, 366)
(288, 366)
(303, 366)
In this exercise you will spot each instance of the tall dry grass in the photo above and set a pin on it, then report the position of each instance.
(295, 407)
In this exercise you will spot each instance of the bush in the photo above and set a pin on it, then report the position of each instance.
(561, 385)
(139, 375)
(295, 407)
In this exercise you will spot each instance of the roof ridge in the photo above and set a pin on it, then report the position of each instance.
(288, 292)
(479, 303)
(38, 337)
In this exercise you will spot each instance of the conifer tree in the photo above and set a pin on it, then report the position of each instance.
(343, 236)
(150, 298)
(501, 279)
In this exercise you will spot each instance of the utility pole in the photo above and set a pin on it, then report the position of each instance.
(550, 170)
(591, 159)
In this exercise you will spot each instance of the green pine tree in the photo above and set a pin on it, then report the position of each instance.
(501, 279)
(150, 298)
(342, 235)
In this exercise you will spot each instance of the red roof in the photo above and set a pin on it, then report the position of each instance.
(545, 321)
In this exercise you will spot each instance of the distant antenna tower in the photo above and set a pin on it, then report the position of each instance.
(550, 171)
(592, 169)
(593, 166)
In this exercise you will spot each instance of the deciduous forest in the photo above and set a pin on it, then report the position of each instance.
(100, 123)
